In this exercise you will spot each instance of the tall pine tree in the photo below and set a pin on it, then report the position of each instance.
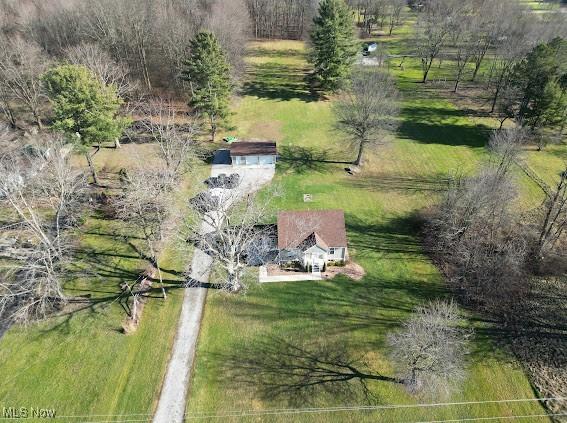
(84, 108)
(333, 44)
(208, 73)
(541, 81)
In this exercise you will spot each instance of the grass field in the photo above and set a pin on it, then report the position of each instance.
(81, 364)
(250, 343)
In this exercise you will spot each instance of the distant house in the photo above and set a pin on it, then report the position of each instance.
(312, 238)
(253, 153)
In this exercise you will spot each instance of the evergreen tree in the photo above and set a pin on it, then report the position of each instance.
(333, 43)
(208, 73)
(84, 108)
(541, 80)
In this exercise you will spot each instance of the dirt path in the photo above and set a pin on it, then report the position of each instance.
(173, 396)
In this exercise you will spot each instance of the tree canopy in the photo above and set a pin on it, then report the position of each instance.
(368, 108)
(83, 107)
(333, 44)
(208, 73)
(541, 81)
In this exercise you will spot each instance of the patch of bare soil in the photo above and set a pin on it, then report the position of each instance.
(473, 99)
(351, 269)
(270, 130)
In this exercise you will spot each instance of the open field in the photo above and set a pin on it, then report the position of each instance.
(250, 344)
(81, 363)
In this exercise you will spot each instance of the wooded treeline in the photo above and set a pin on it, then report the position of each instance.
(281, 18)
(503, 48)
(149, 37)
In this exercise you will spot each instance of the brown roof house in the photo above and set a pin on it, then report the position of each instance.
(253, 153)
(312, 238)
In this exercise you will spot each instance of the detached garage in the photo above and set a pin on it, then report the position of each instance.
(253, 153)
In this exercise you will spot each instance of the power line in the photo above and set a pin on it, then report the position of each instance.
(469, 419)
(494, 418)
(277, 411)
(377, 407)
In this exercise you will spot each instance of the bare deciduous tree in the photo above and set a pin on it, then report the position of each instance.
(395, 9)
(434, 24)
(367, 110)
(227, 228)
(146, 205)
(42, 189)
(102, 65)
(492, 18)
(506, 146)
(150, 37)
(280, 19)
(6, 107)
(506, 106)
(430, 349)
(517, 36)
(177, 141)
(21, 65)
(554, 218)
(475, 234)
(463, 38)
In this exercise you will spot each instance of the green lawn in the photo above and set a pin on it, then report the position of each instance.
(81, 364)
(249, 343)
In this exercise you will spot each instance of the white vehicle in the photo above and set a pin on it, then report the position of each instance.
(370, 48)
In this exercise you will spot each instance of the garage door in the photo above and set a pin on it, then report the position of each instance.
(266, 160)
(252, 160)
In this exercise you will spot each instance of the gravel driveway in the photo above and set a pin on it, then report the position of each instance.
(173, 396)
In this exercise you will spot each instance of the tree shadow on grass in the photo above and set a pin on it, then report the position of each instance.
(401, 183)
(95, 277)
(341, 307)
(276, 53)
(279, 369)
(306, 159)
(434, 126)
(561, 154)
(99, 265)
(399, 237)
(277, 81)
(386, 294)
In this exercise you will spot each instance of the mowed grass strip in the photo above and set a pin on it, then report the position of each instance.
(81, 363)
(246, 339)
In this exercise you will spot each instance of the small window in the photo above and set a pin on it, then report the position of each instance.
(332, 251)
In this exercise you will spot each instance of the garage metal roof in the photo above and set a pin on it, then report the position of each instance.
(253, 148)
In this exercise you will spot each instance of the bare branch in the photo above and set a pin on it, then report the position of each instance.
(43, 191)
(429, 350)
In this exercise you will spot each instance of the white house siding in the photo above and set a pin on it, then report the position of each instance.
(339, 254)
(314, 254)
